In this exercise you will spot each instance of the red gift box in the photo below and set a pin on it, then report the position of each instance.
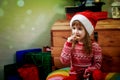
(69, 15)
(100, 15)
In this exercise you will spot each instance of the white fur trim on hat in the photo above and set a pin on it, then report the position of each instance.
(85, 21)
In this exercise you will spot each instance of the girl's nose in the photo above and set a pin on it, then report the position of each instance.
(77, 31)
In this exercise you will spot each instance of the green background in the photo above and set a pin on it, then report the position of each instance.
(26, 24)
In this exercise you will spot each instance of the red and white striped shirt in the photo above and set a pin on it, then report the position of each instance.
(77, 58)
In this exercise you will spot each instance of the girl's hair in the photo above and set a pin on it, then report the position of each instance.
(86, 41)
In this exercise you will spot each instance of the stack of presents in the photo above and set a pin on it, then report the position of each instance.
(31, 64)
(83, 5)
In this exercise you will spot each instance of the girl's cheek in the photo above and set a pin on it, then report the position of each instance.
(79, 32)
(73, 31)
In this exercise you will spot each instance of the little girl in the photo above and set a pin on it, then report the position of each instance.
(83, 55)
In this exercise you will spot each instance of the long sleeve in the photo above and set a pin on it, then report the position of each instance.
(97, 58)
(66, 52)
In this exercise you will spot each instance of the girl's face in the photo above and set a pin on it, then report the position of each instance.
(78, 30)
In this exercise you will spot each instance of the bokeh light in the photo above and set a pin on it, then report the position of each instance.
(20, 3)
(29, 11)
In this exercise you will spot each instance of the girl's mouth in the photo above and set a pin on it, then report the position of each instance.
(77, 35)
(77, 38)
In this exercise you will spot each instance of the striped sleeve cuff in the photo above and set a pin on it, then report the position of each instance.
(69, 44)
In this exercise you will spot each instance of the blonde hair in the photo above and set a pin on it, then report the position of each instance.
(86, 41)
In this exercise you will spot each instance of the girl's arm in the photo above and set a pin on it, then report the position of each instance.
(66, 52)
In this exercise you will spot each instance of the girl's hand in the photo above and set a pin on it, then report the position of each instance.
(86, 73)
(71, 38)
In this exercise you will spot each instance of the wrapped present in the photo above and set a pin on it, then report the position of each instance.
(29, 72)
(10, 72)
(100, 15)
(43, 61)
(38, 59)
(20, 55)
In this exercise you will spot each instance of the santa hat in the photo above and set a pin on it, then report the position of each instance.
(87, 18)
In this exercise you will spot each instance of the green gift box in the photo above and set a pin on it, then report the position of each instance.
(38, 59)
(42, 60)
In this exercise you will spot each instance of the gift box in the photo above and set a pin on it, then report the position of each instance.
(29, 72)
(43, 61)
(69, 15)
(95, 7)
(100, 15)
(10, 72)
(38, 59)
(20, 55)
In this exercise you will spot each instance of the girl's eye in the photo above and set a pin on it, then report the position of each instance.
(73, 27)
(80, 28)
